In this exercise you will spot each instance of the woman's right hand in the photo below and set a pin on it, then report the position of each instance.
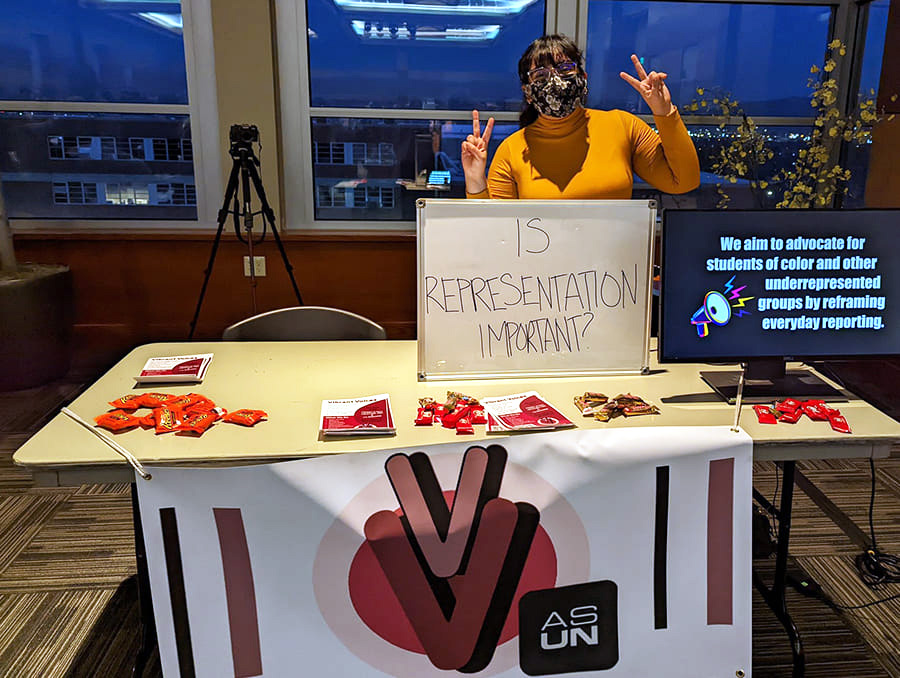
(474, 154)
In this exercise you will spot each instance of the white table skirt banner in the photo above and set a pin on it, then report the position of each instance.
(620, 552)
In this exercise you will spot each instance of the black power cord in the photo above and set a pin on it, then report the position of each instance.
(874, 566)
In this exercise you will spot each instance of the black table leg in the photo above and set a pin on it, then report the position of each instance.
(775, 595)
(145, 602)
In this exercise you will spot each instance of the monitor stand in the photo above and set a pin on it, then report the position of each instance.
(768, 380)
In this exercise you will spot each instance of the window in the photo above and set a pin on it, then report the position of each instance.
(386, 87)
(873, 25)
(756, 52)
(388, 97)
(95, 113)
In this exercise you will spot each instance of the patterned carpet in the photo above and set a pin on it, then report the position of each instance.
(68, 595)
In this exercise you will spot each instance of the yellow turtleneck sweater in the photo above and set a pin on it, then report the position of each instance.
(593, 154)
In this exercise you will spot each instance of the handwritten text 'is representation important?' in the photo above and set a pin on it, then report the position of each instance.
(563, 303)
(816, 283)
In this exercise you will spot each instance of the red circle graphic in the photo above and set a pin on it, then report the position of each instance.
(377, 606)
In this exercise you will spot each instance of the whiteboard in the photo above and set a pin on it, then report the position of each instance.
(533, 287)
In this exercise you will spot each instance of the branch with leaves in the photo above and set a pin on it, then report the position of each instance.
(815, 177)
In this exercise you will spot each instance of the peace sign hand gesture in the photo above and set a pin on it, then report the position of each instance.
(474, 154)
(651, 87)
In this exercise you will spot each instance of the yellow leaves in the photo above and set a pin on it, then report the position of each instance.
(893, 97)
(843, 51)
(814, 69)
(700, 91)
(835, 43)
(763, 184)
(693, 106)
(829, 66)
(832, 132)
(892, 116)
(703, 103)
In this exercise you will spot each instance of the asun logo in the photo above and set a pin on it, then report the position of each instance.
(571, 628)
(572, 632)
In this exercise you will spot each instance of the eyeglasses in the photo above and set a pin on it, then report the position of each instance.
(541, 74)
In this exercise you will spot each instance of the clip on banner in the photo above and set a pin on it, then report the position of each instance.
(130, 458)
(737, 401)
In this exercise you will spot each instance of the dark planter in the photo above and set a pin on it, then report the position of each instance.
(36, 315)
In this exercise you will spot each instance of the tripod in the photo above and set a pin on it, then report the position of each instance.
(243, 167)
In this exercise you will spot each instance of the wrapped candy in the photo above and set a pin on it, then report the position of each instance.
(117, 420)
(244, 417)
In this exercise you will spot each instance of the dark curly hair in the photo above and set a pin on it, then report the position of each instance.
(545, 51)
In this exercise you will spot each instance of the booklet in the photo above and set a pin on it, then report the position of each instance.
(522, 412)
(370, 415)
(177, 368)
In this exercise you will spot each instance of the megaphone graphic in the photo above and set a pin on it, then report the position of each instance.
(715, 309)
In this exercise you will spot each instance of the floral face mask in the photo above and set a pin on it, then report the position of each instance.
(557, 97)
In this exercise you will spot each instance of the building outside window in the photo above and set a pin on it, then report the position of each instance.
(95, 112)
(407, 73)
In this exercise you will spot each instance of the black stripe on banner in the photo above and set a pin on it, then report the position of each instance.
(661, 533)
(177, 593)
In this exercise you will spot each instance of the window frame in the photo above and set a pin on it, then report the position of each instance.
(296, 116)
(564, 16)
(197, 34)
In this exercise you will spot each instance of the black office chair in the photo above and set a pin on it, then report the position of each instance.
(304, 323)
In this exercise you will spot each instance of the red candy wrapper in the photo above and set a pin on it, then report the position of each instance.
(815, 410)
(197, 424)
(425, 417)
(187, 401)
(450, 419)
(244, 417)
(148, 421)
(765, 414)
(117, 420)
(839, 424)
(464, 426)
(791, 417)
(201, 404)
(127, 402)
(167, 420)
(154, 400)
(789, 406)
(477, 415)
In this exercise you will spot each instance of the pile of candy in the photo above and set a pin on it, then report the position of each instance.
(190, 414)
(790, 410)
(459, 412)
(603, 408)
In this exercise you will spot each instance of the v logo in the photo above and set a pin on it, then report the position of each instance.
(483, 542)
(443, 536)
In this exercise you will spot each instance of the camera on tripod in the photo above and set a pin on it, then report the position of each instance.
(243, 135)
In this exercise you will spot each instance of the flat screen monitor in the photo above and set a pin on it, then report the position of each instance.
(765, 286)
(439, 177)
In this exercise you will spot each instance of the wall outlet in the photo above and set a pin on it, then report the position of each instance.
(259, 266)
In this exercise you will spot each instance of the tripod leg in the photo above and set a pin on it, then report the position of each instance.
(270, 217)
(248, 227)
(222, 216)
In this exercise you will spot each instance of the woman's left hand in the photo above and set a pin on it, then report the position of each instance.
(652, 88)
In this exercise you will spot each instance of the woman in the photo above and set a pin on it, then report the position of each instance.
(567, 151)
